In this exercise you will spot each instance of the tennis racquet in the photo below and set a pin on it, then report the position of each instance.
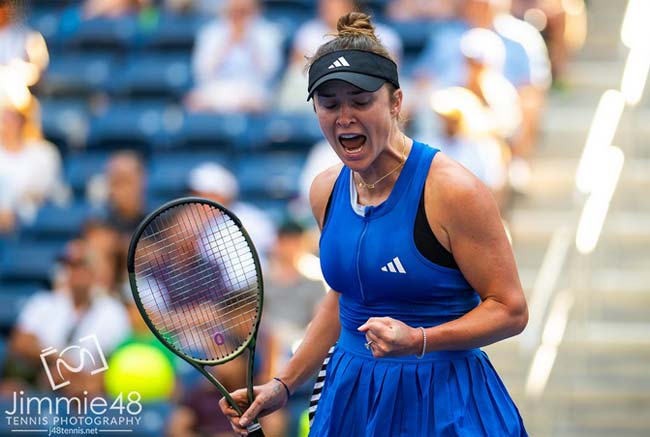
(196, 280)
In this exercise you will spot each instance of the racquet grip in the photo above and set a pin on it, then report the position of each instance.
(257, 433)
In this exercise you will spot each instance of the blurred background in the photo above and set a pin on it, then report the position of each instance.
(109, 108)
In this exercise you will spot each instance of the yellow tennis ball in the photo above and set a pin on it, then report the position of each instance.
(303, 425)
(141, 368)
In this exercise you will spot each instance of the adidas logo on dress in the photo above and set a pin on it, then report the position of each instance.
(394, 266)
(340, 62)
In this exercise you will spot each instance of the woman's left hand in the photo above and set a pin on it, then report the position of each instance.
(389, 337)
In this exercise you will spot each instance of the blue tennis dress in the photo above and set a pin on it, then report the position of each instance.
(370, 257)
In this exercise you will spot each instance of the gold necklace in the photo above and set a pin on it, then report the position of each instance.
(372, 186)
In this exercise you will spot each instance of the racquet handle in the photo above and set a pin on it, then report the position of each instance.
(257, 432)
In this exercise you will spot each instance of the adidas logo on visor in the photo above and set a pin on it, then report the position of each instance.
(340, 62)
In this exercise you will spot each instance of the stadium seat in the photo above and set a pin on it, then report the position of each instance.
(377, 8)
(44, 4)
(3, 349)
(76, 75)
(114, 35)
(153, 418)
(288, 15)
(284, 132)
(39, 4)
(65, 123)
(127, 126)
(57, 223)
(169, 172)
(414, 34)
(408, 65)
(210, 132)
(154, 76)
(45, 19)
(81, 167)
(29, 261)
(12, 299)
(276, 209)
(307, 6)
(274, 176)
(172, 33)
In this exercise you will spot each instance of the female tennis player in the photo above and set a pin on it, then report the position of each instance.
(424, 274)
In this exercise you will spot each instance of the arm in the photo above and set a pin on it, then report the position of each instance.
(24, 341)
(25, 345)
(464, 216)
(7, 221)
(324, 329)
(321, 334)
(478, 241)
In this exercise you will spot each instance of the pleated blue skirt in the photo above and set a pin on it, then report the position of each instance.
(455, 393)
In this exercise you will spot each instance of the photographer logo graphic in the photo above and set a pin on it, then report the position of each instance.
(85, 355)
(83, 412)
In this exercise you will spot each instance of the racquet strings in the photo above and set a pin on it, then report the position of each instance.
(197, 280)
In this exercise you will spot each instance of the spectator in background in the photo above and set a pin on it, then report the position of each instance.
(23, 52)
(320, 158)
(562, 23)
(417, 10)
(120, 11)
(110, 8)
(104, 240)
(213, 181)
(202, 7)
(61, 317)
(236, 57)
(467, 135)
(308, 38)
(125, 205)
(484, 53)
(525, 65)
(442, 61)
(533, 92)
(195, 414)
(293, 285)
(511, 28)
(30, 166)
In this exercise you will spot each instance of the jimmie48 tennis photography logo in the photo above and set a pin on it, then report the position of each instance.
(87, 351)
(67, 411)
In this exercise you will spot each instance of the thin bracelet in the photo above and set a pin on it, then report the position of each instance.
(424, 342)
(284, 385)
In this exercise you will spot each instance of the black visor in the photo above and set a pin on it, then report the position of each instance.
(363, 69)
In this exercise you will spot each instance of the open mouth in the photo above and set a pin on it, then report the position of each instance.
(352, 143)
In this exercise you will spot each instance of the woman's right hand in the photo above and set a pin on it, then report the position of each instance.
(268, 398)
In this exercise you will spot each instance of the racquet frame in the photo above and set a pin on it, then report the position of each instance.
(200, 364)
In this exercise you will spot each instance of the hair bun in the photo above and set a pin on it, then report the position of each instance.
(356, 24)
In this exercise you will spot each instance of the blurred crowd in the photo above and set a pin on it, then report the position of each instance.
(475, 73)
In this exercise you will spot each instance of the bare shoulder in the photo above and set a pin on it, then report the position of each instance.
(321, 189)
(455, 195)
